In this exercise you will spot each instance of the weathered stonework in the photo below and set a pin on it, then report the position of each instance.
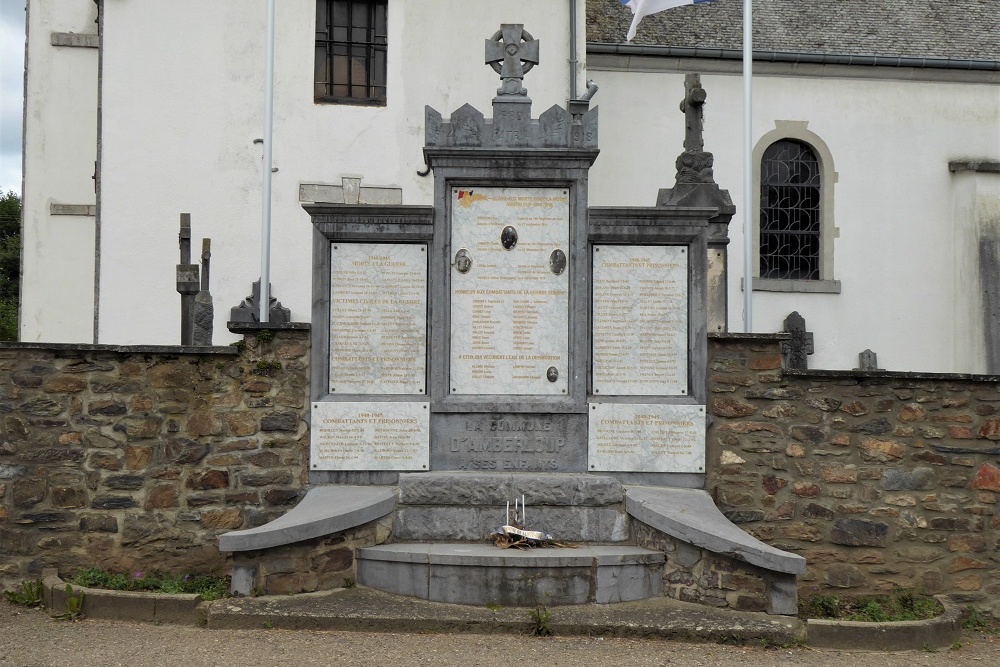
(871, 476)
(137, 458)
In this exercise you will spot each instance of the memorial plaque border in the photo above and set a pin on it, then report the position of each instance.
(528, 168)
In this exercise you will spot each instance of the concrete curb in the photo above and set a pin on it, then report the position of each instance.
(179, 609)
(365, 609)
(938, 632)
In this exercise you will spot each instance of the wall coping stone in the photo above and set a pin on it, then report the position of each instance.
(729, 336)
(225, 350)
(252, 327)
(889, 375)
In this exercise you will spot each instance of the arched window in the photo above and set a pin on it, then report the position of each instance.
(789, 212)
(793, 201)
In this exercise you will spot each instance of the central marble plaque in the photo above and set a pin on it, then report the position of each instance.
(640, 325)
(370, 436)
(509, 291)
(378, 318)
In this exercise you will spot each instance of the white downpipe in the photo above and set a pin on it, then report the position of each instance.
(747, 166)
(265, 234)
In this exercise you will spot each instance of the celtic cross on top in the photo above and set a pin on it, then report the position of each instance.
(511, 52)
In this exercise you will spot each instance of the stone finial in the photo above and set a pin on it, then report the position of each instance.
(249, 309)
(511, 52)
(795, 350)
(868, 361)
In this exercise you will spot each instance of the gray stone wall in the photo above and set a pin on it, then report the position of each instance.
(137, 458)
(878, 479)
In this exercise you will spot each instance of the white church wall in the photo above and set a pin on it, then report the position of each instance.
(891, 140)
(60, 146)
(183, 104)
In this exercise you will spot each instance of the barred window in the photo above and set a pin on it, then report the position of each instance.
(790, 212)
(351, 40)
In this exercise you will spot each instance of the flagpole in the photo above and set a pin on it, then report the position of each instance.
(747, 166)
(265, 235)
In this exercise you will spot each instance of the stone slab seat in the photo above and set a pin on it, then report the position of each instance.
(691, 515)
(482, 574)
(324, 510)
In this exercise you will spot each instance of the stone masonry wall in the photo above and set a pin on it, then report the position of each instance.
(137, 458)
(878, 479)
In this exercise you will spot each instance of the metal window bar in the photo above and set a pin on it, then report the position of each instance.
(351, 44)
(789, 212)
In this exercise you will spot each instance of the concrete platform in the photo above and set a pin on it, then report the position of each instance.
(481, 574)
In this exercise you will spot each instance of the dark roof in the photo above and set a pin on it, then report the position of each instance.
(957, 29)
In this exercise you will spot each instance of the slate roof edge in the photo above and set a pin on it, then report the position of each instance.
(792, 57)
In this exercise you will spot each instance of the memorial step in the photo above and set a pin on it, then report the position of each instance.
(463, 506)
(482, 574)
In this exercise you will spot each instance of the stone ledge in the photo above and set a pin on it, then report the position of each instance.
(691, 515)
(181, 609)
(254, 327)
(324, 510)
(937, 632)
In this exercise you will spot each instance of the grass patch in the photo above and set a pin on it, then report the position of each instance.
(209, 587)
(974, 620)
(901, 605)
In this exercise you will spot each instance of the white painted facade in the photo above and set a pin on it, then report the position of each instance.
(60, 148)
(182, 103)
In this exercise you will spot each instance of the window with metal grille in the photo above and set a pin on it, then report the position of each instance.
(351, 40)
(789, 212)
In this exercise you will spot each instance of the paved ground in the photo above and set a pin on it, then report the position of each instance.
(29, 638)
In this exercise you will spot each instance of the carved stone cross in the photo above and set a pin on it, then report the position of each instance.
(691, 105)
(795, 349)
(511, 57)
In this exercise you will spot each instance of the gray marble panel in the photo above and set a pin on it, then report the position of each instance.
(369, 436)
(647, 437)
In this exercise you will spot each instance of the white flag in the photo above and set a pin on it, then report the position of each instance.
(642, 8)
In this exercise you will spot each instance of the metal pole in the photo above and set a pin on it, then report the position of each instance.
(265, 235)
(572, 49)
(747, 166)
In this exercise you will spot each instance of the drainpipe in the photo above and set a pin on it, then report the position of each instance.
(572, 49)
(265, 235)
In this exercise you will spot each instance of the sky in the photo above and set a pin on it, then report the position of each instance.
(11, 92)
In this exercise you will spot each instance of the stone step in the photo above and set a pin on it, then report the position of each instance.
(496, 489)
(482, 574)
(445, 523)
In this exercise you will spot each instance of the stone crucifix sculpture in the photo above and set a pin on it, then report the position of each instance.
(694, 117)
(511, 52)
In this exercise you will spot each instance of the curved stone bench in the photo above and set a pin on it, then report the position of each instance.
(690, 515)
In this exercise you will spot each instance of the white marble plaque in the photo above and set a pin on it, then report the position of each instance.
(378, 318)
(640, 320)
(631, 437)
(370, 436)
(509, 291)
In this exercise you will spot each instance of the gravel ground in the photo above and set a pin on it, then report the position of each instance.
(29, 638)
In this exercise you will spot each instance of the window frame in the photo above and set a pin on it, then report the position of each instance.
(798, 131)
(373, 44)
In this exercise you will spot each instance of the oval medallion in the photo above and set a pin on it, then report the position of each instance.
(508, 237)
(463, 261)
(557, 261)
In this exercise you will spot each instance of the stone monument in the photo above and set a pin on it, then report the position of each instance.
(510, 342)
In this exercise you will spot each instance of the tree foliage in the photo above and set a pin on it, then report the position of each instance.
(10, 263)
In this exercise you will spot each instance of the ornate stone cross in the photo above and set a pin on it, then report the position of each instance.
(691, 105)
(511, 52)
